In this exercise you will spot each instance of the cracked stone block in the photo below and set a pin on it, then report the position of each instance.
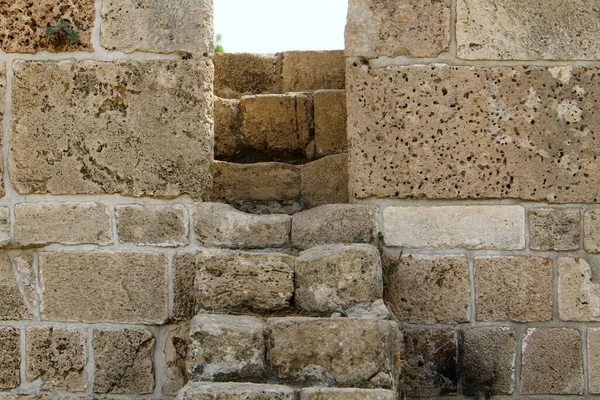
(552, 362)
(330, 122)
(226, 128)
(578, 291)
(235, 391)
(94, 287)
(554, 228)
(66, 223)
(175, 354)
(163, 226)
(325, 181)
(326, 393)
(593, 350)
(591, 227)
(57, 356)
(486, 132)
(10, 357)
(238, 74)
(184, 297)
(91, 127)
(14, 292)
(518, 289)
(304, 71)
(124, 361)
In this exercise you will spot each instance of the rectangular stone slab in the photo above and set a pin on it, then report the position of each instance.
(2, 106)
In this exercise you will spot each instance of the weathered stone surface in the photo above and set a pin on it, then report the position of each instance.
(184, 297)
(334, 277)
(23, 269)
(236, 279)
(325, 181)
(591, 227)
(326, 393)
(335, 223)
(532, 30)
(124, 361)
(473, 132)
(122, 287)
(238, 74)
(552, 361)
(341, 351)
(330, 122)
(488, 360)
(2, 98)
(518, 289)
(554, 228)
(226, 127)
(593, 350)
(83, 127)
(429, 289)
(220, 225)
(235, 391)
(372, 310)
(57, 356)
(165, 226)
(66, 223)
(10, 357)
(313, 70)
(175, 352)
(13, 305)
(4, 223)
(32, 397)
(226, 347)
(472, 227)
(578, 291)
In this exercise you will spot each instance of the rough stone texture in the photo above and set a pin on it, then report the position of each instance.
(325, 393)
(165, 226)
(57, 356)
(578, 291)
(431, 356)
(13, 305)
(65, 223)
(325, 181)
(372, 310)
(488, 360)
(220, 225)
(235, 391)
(554, 229)
(238, 74)
(158, 26)
(335, 223)
(236, 279)
(120, 287)
(330, 122)
(25, 274)
(23, 25)
(175, 354)
(226, 347)
(429, 289)
(518, 289)
(392, 28)
(2, 99)
(184, 297)
(226, 128)
(339, 352)
(4, 223)
(32, 397)
(591, 227)
(593, 349)
(84, 127)
(10, 357)
(532, 30)
(473, 132)
(552, 361)
(334, 277)
(124, 361)
(313, 70)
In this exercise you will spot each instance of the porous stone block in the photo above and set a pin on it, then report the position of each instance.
(226, 347)
(325, 181)
(532, 30)
(119, 287)
(57, 356)
(4, 223)
(552, 362)
(87, 127)
(448, 227)
(518, 289)
(221, 225)
(164, 226)
(335, 223)
(2, 100)
(391, 28)
(487, 132)
(10, 357)
(326, 393)
(335, 277)
(15, 304)
(429, 289)
(554, 228)
(238, 74)
(226, 127)
(330, 122)
(124, 361)
(23, 25)
(236, 279)
(175, 353)
(591, 227)
(593, 359)
(313, 70)
(578, 291)
(235, 391)
(488, 360)
(184, 297)
(65, 223)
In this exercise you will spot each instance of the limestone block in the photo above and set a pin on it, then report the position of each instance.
(486, 132)
(235, 391)
(326, 393)
(335, 223)
(531, 30)
(335, 277)
(226, 347)
(488, 360)
(158, 26)
(10, 357)
(2, 99)
(325, 181)
(175, 353)
(86, 127)
(184, 297)
(66, 223)
(226, 127)
(23, 25)
(554, 228)
(578, 291)
(119, 287)
(164, 226)
(429, 289)
(552, 361)
(220, 225)
(330, 122)
(4, 224)
(591, 227)
(24, 271)
(15, 304)
(593, 350)
(449, 227)
(238, 74)
(372, 310)
(518, 289)
(313, 70)
(57, 356)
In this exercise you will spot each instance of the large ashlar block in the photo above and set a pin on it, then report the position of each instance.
(10, 357)
(16, 304)
(528, 30)
(158, 225)
(235, 391)
(83, 127)
(578, 291)
(326, 393)
(474, 132)
(238, 74)
(313, 70)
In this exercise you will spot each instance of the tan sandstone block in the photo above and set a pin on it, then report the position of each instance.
(330, 122)
(165, 226)
(487, 132)
(10, 357)
(238, 74)
(184, 297)
(14, 305)
(518, 289)
(578, 291)
(226, 127)
(4, 224)
(554, 228)
(325, 181)
(326, 393)
(2, 105)
(235, 391)
(120, 287)
(593, 350)
(86, 127)
(591, 227)
(313, 70)
(175, 353)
